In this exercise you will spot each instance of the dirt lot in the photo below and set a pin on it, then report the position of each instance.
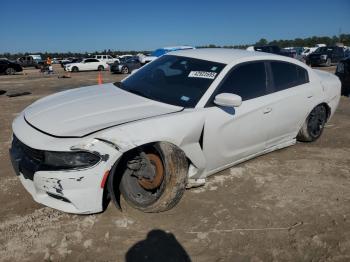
(289, 205)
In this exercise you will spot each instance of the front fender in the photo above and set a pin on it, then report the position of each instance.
(182, 129)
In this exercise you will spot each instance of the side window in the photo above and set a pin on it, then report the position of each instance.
(247, 80)
(287, 75)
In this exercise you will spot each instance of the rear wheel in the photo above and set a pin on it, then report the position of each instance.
(100, 68)
(313, 125)
(10, 71)
(155, 178)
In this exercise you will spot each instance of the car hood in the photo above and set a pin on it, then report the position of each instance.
(82, 111)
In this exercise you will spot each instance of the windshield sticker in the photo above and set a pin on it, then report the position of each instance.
(202, 74)
(185, 98)
(214, 68)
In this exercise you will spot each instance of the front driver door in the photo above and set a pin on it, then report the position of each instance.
(232, 134)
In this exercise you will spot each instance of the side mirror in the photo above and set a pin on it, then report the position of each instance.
(227, 99)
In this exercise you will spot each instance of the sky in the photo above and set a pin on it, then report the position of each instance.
(79, 26)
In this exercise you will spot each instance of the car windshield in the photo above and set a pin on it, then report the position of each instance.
(174, 80)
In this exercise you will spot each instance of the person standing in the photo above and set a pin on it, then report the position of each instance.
(49, 65)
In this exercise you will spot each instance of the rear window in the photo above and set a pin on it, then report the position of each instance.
(287, 75)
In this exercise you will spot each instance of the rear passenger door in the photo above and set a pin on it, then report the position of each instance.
(289, 103)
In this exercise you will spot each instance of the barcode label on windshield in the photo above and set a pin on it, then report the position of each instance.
(202, 74)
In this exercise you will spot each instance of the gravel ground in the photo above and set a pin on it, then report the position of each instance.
(289, 205)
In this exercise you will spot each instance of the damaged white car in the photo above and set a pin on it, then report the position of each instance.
(166, 127)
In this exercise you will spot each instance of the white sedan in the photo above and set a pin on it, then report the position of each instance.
(170, 125)
(88, 64)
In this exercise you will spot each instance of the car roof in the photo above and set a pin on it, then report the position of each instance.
(221, 55)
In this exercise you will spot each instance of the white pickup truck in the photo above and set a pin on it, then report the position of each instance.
(106, 58)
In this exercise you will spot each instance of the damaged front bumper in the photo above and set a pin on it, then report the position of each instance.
(77, 191)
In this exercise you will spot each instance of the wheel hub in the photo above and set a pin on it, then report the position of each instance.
(157, 178)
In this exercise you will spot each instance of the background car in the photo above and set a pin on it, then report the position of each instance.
(31, 60)
(343, 72)
(126, 66)
(274, 49)
(70, 60)
(105, 58)
(9, 68)
(88, 64)
(326, 56)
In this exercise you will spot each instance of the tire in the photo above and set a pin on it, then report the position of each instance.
(100, 68)
(328, 62)
(165, 190)
(75, 69)
(125, 70)
(10, 71)
(314, 124)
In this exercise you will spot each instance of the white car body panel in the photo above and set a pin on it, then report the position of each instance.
(97, 110)
(231, 135)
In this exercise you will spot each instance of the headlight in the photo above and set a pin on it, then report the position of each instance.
(324, 57)
(340, 68)
(66, 160)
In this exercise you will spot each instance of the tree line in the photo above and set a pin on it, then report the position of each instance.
(297, 42)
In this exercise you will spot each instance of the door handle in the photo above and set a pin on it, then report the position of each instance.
(309, 96)
(267, 110)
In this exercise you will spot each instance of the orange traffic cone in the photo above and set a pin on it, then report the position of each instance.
(99, 79)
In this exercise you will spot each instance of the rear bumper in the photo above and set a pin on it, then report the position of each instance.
(317, 61)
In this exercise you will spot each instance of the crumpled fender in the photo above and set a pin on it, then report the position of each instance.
(182, 129)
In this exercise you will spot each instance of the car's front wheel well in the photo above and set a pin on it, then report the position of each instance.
(328, 109)
(112, 189)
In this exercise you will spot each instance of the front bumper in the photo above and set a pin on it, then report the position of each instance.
(78, 191)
